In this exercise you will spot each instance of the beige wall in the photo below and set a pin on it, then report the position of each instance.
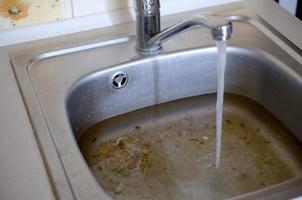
(40, 11)
(50, 10)
(15, 13)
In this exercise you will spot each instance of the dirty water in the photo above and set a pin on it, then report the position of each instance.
(168, 151)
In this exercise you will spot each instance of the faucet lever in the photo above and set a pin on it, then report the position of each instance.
(147, 7)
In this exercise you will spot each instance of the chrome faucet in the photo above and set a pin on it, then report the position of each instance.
(150, 36)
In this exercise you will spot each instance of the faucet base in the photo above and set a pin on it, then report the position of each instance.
(154, 48)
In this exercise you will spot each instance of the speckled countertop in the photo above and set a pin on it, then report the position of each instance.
(22, 171)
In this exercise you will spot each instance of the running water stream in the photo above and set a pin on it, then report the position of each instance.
(221, 62)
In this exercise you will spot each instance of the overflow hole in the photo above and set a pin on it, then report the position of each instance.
(119, 80)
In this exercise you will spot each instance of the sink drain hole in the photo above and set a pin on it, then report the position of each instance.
(119, 80)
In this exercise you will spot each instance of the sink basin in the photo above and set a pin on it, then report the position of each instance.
(83, 97)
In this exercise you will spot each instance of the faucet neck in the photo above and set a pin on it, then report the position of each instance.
(147, 23)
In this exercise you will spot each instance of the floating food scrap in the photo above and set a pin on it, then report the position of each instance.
(14, 9)
(125, 154)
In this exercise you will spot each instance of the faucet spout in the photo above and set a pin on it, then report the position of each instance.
(150, 38)
(221, 29)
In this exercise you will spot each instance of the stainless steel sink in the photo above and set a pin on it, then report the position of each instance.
(66, 91)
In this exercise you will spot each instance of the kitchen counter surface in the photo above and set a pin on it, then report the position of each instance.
(23, 174)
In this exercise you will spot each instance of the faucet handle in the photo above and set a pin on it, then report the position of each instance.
(147, 7)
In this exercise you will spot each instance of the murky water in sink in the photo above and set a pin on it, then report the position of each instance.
(167, 151)
(221, 63)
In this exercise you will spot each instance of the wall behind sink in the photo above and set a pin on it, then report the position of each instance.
(79, 15)
(16, 13)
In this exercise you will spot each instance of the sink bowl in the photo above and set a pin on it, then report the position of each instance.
(83, 98)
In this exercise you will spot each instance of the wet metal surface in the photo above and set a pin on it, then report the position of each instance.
(70, 89)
